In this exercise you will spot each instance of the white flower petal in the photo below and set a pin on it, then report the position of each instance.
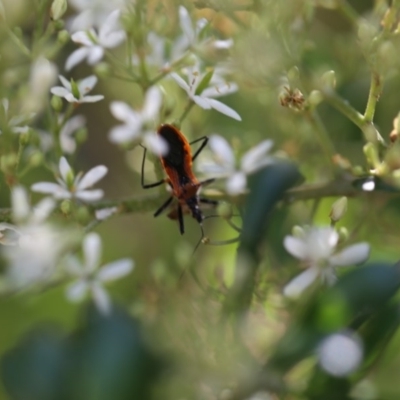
(152, 103)
(101, 298)
(351, 255)
(223, 153)
(89, 195)
(180, 82)
(156, 144)
(87, 84)
(213, 169)
(76, 291)
(92, 176)
(20, 204)
(115, 270)
(220, 90)
(186, 24)
(236, 184)
(68, 144)
(224, 109)
(51, 188)
(92, 252)
(202, 103)
(301, 282)
(95, 55)
(105, 213)
(65, 169)
(65, 82)
(84, 38)
(256, 157)
(110, 24)
(124, 113)
(75, 58)
(42, 210)
(113, 39)
(60, 91)
(296, 247)
(122, 134)
(92, 99)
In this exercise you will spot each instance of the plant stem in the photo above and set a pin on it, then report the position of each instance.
(375, 91)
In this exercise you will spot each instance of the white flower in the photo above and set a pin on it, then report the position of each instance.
(23, 215)
(18, 123)
(76, 92)
(205, 97)
(135, 127)
(340, 354)
(67, 141)
(163, 53)
(191, 33)
(90, 277)
(34, 245)
(69, 186)
(317, 249)
(93, 45)
(223, 164)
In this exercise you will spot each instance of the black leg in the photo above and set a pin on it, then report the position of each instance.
(163, 207)
(207, 182)
(151, 185)
(208, 201)
(180, 219)
(199, 150)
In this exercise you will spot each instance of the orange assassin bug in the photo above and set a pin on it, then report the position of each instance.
(177, 164)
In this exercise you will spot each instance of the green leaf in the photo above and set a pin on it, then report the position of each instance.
(106, 359)
(267, 187)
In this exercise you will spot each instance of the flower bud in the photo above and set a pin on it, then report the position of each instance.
(24, 138)
(338, 209)
(56, 103)
(328, 80)
(66, 206)
(102, 70)
(81, 135)
(314, 98)
(82, 215)
(298, 231)
(75, 89)
(36, 159)
(63, 37)
(58, 9)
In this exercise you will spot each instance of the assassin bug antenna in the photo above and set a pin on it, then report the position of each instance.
(177, 164)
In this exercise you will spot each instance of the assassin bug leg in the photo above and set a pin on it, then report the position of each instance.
(163, 207)
(200, 149)
(150, 185)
